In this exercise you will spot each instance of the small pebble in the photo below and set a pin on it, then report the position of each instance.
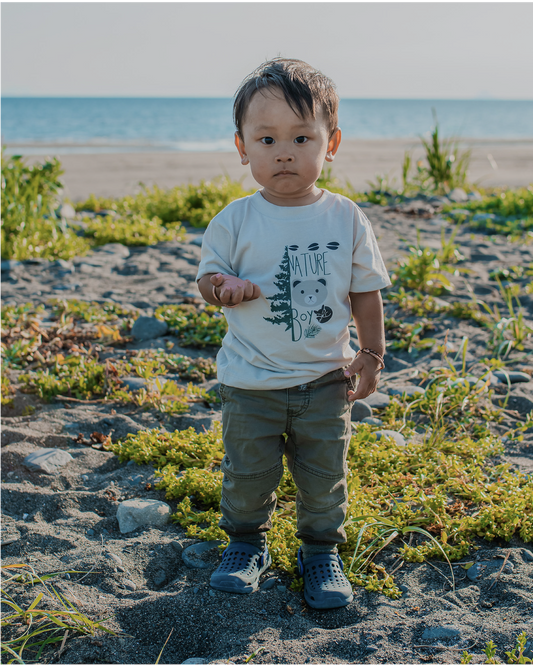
(90, 532)
(195, 590)
(212, 593)
(115, 558)
(396, 436)
(67, 576)
(473, 572)
(25, 516)
(527, 555)
(372, 420)
(281, 588)
(129, 584)
(404, 588)
(372, 648)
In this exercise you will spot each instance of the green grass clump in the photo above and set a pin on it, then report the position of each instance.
(79, 376)
(30, 228)
(27, 633)
(196, 204)
(515, 656)
(134, 230)
(91, 311)
(149, 363)
(194, 328)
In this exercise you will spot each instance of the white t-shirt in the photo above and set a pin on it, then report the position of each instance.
(305, 260)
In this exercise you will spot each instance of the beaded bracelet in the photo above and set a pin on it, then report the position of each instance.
(373, 353)
(218, 299)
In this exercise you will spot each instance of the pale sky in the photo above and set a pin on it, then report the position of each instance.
(371, 50)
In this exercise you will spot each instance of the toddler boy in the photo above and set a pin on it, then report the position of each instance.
(290, 264)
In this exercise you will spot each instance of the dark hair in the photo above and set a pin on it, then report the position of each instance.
(303, 87)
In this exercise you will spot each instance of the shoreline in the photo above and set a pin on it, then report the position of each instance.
(494, 162)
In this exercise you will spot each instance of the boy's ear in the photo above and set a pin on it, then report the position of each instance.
(333, 144)
(239, 143)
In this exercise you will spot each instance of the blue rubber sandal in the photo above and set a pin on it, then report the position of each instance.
(241, 567)
(325, 586)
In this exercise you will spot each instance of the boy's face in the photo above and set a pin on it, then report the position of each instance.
(286, 154)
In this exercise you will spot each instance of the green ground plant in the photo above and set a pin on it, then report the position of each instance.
(29, 633)
(514, 656)
(195, 204)
(194, 328)
(133, 230)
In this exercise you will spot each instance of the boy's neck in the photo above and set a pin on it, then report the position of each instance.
(304, 200)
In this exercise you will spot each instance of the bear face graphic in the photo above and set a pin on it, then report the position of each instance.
(309, 292)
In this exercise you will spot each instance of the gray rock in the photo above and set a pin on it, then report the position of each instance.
(474, 196)
(408, 389)
(268, 584)
(48, 461)
(473, 572)
(372, 648)
(160, 577)
(514, 377)
(404, 589)
(176, 545)
(361, 410)
(195, 660)
(90, 532)
(371, 420)
(377, 400)
(129, 584)
(446, 631)
(396, 436)
(133, 383)
(458, 195)
(147, 328)
(134, 513)
(67, 211)
(192, 555)
(527, 555)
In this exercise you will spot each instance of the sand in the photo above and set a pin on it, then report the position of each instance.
(142, 581)
(494, 162)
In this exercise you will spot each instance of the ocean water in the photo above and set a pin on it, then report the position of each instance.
(90, 125)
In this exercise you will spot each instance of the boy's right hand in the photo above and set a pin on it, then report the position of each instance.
(231, 290)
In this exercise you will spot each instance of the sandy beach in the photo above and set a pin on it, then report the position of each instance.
(494, 162)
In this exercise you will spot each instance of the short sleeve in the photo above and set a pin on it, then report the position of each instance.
(216, 249)
(368, 269)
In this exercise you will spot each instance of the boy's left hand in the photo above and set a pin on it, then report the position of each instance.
(366, 367)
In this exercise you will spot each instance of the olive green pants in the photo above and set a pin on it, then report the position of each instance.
(316, 420)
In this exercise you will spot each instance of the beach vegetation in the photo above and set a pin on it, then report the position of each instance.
(29, 633)
(446, 167)
(195, 204)
(515, 656)
(132, 230)
(194, 327)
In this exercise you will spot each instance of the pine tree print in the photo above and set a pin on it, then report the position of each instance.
(281, 302)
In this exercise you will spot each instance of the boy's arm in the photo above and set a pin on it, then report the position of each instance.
(367, 311)
(228, 290)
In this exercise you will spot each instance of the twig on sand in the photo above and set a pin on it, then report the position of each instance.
(63, 643)
(66, 397)
(157, 660)
(499, 572)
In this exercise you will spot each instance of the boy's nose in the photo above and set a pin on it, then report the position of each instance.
(285, 158)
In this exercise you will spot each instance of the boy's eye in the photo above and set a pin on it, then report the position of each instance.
(268, 140)
(300, 139)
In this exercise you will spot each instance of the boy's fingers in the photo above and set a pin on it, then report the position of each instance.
(256, 292)
(248, 290)
(217, 279)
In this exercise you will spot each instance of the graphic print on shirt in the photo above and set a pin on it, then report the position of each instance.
(303, 291)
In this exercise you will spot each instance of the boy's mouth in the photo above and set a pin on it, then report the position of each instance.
(285, 173)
